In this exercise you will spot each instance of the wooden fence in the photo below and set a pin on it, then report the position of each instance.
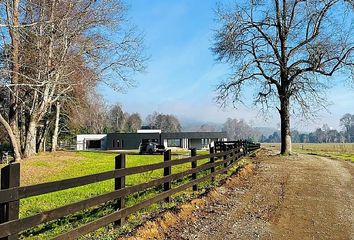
(221, 158)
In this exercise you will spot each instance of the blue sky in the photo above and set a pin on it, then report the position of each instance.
(181, 73)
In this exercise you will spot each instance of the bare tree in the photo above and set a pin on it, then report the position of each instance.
(239, 129)
(117, 118)
(133, 123)
(286, 49)
(47, 43)
(56, 127)
(165, 122)
(94, 117)
(11, 11)
(347, 122)
(208, 127)
(151, 119)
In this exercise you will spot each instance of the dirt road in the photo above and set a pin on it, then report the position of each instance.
(296, 197)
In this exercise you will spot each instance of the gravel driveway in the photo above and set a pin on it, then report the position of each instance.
(295, 197)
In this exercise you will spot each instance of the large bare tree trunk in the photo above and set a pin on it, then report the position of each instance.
(13, 139)
(31, 136)
(22, 128)
(56, 128)
(41, 138)
(44, 145)
(13, 14)
(285, 148)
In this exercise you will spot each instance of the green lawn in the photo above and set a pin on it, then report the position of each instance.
(47, 167)
(88, 163)
(344, 151)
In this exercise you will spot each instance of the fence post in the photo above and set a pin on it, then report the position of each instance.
(10, 177)
(119, 183)
(244, 145)
(194, 165)
(232, 154)
(166, 172)
(243, 149)
(212, 160)
(224, 149)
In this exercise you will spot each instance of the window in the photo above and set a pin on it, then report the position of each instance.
(174, 142)
(206, 142)
(94, 144)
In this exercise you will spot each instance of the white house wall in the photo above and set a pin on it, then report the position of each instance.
(82, 138)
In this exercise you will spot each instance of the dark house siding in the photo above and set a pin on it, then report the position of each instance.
(116, 141)
(193, 135)
(128, 140)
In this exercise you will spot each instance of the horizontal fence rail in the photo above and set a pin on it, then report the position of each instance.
(222, 154)
(13, 194)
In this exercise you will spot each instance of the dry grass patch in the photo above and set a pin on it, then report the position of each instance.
(157, 228)
(55, 156)
(168, 220)
(241, 175)
(151, 231)
(36, 169)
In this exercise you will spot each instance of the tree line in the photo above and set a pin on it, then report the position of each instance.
(324, 134)
(236, 129)
(100, 117)
(97, 117)
(53, 54)
(116, 120)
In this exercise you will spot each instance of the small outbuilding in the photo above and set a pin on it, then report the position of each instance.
(91, 142)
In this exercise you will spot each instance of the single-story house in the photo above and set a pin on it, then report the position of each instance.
(120, 141)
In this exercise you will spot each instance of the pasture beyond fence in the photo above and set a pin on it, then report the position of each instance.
(222, 157)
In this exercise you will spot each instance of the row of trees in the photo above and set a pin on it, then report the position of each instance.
(96, 117)
(53, 53)
(320, 135)
(165, 122)
(239, 129)
(324, 134)
(99, 117)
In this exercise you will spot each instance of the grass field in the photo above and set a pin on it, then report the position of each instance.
(344, 151)
(47, 167)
